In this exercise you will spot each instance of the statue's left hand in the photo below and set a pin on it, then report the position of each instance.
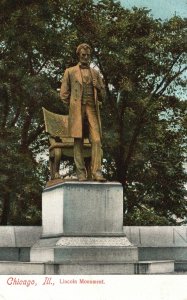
(96, 85)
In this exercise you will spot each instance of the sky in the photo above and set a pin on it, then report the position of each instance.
(163, 9)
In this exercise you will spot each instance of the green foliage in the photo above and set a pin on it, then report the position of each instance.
(29, 81)
(143, 64)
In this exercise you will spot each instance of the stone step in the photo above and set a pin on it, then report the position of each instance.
(176, 253)
(181, 266)
(155, 267)
(86, 268)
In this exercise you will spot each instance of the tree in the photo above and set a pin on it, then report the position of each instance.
(142, 61)
(31, 47)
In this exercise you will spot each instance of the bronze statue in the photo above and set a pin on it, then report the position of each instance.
(82, 89)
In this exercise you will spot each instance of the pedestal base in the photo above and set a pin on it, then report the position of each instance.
(84, 249)
(83, 225)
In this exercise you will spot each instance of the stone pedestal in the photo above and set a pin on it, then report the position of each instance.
(83, 223)
(88, 208)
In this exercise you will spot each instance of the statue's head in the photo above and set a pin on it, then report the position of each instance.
(84, 53)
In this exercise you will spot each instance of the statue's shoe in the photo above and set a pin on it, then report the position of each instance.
(82, 177)
(57, 176)
(98, 177)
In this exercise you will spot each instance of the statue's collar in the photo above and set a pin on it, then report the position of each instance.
(81, 66)
(78, 73)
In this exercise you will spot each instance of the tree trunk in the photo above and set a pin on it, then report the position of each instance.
(5, 210)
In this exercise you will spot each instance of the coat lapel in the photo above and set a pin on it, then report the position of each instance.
(78, 74)
(93, 73)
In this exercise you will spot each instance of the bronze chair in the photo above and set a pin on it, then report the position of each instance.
(60, 144)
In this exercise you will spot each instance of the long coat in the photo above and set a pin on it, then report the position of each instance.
(71, 93)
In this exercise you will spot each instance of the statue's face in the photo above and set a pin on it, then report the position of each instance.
(84, 56)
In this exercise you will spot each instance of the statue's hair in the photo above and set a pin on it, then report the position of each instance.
(82, 46)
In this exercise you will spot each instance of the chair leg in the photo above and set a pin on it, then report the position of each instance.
(51, 164)
(54, 162)
(57, 159)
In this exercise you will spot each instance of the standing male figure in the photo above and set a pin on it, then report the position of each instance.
(82, 88)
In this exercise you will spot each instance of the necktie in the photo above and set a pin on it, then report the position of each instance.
(84, 67)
